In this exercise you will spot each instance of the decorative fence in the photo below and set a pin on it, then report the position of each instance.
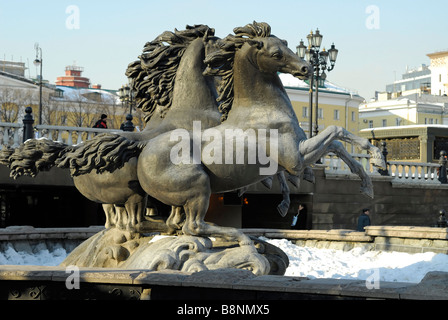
(11, 134)
(401, 171)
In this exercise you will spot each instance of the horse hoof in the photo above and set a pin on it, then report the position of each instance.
(245, 241)
(367, 191)
(378, 162)
(267, 182)
(282, 209)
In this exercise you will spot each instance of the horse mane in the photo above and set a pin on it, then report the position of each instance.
(105, 152)
(152, 77)
(220, 62)
(33, 156)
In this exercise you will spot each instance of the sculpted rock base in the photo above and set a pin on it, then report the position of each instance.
(112, 248)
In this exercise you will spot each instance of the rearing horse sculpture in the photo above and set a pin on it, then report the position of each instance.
(104, 169)
(192, 98)
(257, 101)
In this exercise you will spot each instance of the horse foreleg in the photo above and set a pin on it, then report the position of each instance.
(355, 167)
(315, 147)
(284, 205)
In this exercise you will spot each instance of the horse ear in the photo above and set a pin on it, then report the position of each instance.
(255, 43)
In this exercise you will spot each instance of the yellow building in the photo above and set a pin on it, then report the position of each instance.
(415, 109)
(336, 105)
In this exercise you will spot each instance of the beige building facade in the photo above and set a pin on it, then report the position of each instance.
(336, 105)
(439, 73)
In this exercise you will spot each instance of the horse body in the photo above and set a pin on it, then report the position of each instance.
(193, 97)
(190, 184)
(259, 103)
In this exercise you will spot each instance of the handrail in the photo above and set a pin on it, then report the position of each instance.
(402, 171)
(11, 133)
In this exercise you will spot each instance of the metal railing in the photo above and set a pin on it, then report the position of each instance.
(11, 134)
(400, 171)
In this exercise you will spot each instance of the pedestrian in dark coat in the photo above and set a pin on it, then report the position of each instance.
(101, 123)
(299, 221)
(363, 220)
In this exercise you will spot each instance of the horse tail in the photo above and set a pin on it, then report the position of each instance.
(105, 152)
(32, 156)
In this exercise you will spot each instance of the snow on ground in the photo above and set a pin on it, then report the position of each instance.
(359, 263)
(40, 256)
(313, 263)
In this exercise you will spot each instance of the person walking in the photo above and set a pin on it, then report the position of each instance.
(363, 220)
(102, 122)
(300, 219)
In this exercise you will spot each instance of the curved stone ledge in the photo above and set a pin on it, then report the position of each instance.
(175, 285)
(408, 232)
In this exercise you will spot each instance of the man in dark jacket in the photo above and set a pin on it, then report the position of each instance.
(101, 123)
(363, 220)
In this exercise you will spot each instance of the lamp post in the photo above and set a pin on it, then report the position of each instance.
(319, 60)
(125, 93)
(38, 62)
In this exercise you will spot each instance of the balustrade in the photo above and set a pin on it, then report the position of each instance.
(11, 133)
(400, 171)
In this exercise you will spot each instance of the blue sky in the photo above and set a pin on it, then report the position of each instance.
(105, 36)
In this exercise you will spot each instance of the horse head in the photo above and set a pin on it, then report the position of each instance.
(271, 54)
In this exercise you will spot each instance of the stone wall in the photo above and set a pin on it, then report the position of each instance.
(381, 238)
(335, 202)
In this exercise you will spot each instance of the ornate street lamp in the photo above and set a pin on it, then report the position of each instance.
(38, 62)
(319, 60)
(125, 93)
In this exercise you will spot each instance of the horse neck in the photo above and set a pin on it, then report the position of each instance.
(194, 95)
(257, 93)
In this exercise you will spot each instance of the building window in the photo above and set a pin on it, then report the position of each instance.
(320, 113)
(370, 124)
(398, 121)
(353, 116)
(384, 122)
(305, 112)
(336, 114)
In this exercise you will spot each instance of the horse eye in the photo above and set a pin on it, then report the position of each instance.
(277, 55)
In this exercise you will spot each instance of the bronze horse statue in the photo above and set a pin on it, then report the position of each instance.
(173, 89)
(256, 101)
